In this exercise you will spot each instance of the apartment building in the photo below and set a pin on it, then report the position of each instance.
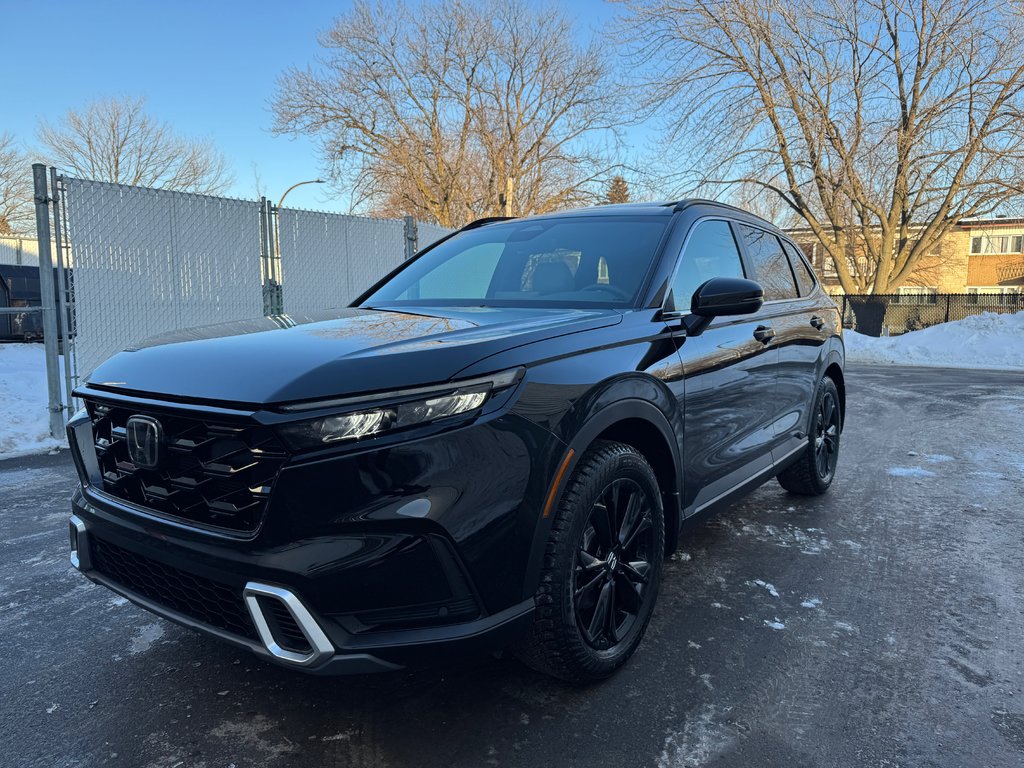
(982, 257)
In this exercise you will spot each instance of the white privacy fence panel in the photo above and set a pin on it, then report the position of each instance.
(327, 259)
(19, 250)
(429, 233)
(149, 261)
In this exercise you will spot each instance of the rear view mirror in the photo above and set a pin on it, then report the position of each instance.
(721, 296)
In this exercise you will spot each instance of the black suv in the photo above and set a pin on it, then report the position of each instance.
(495, 446)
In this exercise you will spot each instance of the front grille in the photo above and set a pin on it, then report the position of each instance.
(210, 602)
(216, 475)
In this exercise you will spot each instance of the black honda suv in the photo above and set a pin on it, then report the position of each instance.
(495, 446)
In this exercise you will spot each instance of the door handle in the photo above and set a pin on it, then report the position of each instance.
(764, 333)
(817, 322)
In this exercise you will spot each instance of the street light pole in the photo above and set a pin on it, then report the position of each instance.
(293, 186)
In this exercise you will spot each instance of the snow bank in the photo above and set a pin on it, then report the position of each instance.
(24, 418)
(988, 340)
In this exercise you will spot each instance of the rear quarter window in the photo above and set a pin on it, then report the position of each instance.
(804, 276)
(770, 264)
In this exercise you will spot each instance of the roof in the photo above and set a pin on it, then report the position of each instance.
(656, 208)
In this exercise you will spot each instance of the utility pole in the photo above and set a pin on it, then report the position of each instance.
(293, 186)
(509, 189)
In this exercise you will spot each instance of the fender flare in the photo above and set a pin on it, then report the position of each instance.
(630, 408)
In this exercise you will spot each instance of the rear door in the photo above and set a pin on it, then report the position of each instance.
(790, 309)
(729, 376)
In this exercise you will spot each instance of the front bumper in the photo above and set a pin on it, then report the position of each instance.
(157, 577)
(386, 553)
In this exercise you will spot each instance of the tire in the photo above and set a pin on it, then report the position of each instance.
(572, 637)
(813, 472)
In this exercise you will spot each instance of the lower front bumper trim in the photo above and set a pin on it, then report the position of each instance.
(342, 663)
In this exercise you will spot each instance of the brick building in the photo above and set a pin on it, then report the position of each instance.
(983, 258)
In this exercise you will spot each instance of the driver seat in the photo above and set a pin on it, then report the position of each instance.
(553, 277)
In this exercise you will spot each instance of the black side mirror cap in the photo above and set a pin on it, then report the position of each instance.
(721, 296)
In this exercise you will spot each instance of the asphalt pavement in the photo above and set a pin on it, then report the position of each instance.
(879, 625)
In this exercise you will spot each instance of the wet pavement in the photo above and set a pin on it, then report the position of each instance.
(880, 625)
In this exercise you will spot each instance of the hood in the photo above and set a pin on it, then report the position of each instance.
(284, 359)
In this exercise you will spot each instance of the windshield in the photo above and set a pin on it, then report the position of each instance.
(578, 261)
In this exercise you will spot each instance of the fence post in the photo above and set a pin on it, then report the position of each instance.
(948, 298)
(411, 237)
(64, 294)
(265, 258)
(274, 250)
(48, 291)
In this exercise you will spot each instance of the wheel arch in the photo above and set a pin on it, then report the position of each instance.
(834, 371)
(634, 422)
(652, 444)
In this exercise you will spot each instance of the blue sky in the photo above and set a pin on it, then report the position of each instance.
(208, 68)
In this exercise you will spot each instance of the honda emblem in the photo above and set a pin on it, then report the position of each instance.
(145, 441)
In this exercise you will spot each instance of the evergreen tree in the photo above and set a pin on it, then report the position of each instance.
(618, 191)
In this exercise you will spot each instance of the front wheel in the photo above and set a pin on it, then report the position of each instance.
(813, 472)
(602, 567)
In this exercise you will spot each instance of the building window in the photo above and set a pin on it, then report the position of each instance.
(994, 295)
(914, 294)
(997, 243)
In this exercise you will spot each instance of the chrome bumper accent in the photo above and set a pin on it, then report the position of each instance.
(318, 641)
(79, 544)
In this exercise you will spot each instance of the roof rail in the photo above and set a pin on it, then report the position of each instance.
(484, 221)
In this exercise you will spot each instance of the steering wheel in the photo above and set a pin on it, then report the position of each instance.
(609, 288)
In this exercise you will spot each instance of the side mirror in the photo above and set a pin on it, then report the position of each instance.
(727, 296)
(722, 296)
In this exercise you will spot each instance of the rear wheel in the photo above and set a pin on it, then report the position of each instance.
(602, 567)
(813, 472)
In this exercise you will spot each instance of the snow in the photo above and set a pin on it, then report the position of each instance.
(24, 415)
(989, 340)
(770, 587)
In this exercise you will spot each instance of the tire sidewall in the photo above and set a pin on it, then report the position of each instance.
(825, 386)
(627, 465)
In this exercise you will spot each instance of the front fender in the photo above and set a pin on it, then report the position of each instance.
(595, 415)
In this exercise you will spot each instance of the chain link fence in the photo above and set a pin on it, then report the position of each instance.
(429, 234)
(148, 261)
(128, 263)
(895, 314)
(328, 259)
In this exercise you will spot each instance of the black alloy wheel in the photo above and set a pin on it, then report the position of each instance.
(813, 471)
(613, 564)
(602, 567)
(826, 440)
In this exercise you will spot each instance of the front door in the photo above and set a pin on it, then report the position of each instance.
(729, 377)
(792, 309)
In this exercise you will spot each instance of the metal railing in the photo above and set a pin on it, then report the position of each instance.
(895, 314)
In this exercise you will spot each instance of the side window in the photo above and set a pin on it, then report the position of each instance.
(710, 252)
(804, 276)
(769, 262)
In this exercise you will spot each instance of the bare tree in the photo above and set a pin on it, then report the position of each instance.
(881, 123)
(115, 140)
(618, 191)
(16, 214)
(449, 111)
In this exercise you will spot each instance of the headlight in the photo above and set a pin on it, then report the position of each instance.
(444, 402)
